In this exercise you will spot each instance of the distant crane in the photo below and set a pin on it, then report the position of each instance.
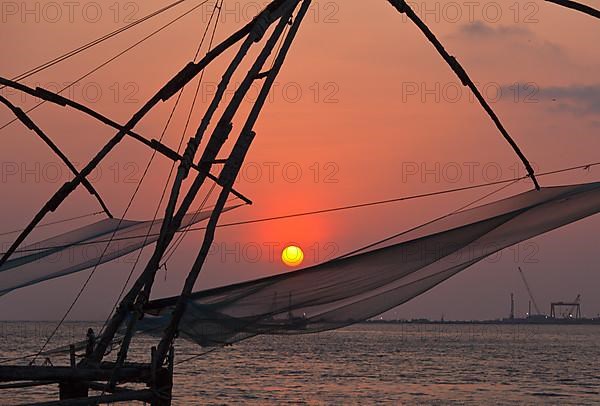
(535, 306)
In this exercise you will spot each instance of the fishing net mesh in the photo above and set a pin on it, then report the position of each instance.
(354, 288)
(81, 249)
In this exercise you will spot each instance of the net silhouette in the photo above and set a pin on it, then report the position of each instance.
(354, 288)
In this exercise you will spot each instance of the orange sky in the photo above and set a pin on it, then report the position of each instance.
(363, 109)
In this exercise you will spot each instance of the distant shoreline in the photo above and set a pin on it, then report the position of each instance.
(524, 321)
(527, 321)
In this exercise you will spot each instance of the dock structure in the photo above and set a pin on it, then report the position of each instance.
(154, 382)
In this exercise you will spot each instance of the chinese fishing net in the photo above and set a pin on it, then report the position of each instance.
(81, 249)
(354, 288)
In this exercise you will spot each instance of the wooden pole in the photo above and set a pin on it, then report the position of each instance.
(577, 6)
(404, 8)
(230, 172)
(188, 73)
(152, 143)
(169, 227)
(218, 138)
(72, 360)
(27, 122)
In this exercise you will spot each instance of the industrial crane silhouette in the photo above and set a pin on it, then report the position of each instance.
(574, 308)
(530, 293)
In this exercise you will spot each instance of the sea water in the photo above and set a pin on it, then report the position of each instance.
(412, 364)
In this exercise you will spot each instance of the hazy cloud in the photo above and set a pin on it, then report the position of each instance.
(581, 100)
(481, 30)
(520, 41)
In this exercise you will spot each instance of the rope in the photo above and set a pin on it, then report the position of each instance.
(196, 356)
(180, 238)
(210, 45)
(386, 239)
(164, 191)
(86, 282)
(348, 207)
(168, 178)
(184, 232)
(379, 242)
(90, 44)
(283, 35)
(112, 59)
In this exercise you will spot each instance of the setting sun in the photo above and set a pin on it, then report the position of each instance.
(292, 255)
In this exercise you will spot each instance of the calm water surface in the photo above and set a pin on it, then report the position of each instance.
(368, 364)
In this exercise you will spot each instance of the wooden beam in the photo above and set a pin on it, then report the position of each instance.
(577, 6)
(60, 373)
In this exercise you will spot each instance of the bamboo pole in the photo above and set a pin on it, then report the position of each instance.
(168, 227)
(404, 8)
(27, 122)
(189, 72)
(230, 173)
(577, 6)
(152, 143)
(167, 231)
(256, 30)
